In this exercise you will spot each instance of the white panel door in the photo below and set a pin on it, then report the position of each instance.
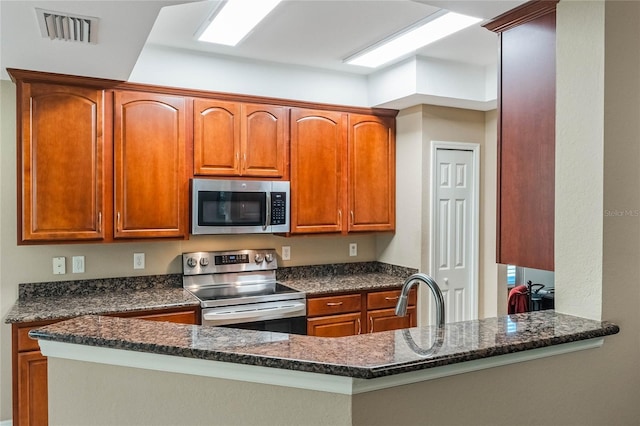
(454, 221)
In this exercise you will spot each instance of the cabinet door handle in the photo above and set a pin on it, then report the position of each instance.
(371, 324)
(339, 218)
(359, 326)
(334, 303)
(100, 222)
(352, 218)
(389, 299)
(118, 221)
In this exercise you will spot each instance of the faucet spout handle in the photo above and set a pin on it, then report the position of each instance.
(401, 306)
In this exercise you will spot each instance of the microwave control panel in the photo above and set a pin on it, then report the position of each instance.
(278, 208)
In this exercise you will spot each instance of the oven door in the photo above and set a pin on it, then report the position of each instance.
(288, 316)
(296, 325)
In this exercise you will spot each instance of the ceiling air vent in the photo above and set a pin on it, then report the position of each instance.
(62, 26)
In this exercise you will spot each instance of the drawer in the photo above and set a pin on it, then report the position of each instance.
(24, 342)
(334, 305)
(388, 299)
(189, 315)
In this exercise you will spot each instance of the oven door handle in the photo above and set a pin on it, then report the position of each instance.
(248, 315)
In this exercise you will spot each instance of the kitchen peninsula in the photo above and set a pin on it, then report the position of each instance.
(166, 373)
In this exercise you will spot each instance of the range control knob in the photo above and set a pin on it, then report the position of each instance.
(192, 262)
(259, 258)
(268, 257)
(204, 261)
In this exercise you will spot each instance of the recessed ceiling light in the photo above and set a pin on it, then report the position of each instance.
(235, 20)
(434, 28)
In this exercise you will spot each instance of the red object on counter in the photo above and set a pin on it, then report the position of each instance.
(518, 300)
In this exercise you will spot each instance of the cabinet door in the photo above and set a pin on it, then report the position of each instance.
(335, 325)
(263, 141)
(216, 138)
(32, 391)
(526, 139)
(318, 143)
(372, 165)
(386, 319)
(150, 183)
(61, 162)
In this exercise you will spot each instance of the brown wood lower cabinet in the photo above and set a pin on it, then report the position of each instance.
(355, 313)
(386, 319)
(335, 325)
(32, 389)
(30, 395)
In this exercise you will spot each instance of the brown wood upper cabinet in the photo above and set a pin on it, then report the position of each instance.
(342, 172)
(98, 164)
(150, 183)
(526, 135)
(61, 161)
(371, 177)
(318, 170)
(104, 160)
(238, 139)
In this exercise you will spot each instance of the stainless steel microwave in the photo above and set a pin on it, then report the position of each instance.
(239, 206)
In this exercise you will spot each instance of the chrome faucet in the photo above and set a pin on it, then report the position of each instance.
(401, 307)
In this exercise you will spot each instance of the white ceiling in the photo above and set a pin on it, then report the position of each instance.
(313, 33)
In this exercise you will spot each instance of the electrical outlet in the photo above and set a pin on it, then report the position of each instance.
(286, 253)
(59, 266)
(77, 264)
(138, 260)
(353, 249)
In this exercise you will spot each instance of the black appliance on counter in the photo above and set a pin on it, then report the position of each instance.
(540, 298)
(239, 289)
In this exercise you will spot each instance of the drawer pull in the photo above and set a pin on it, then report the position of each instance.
(334, 303)
(389, 299)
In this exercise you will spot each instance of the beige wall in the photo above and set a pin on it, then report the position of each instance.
(84, 394)
(403, 248)
(493, 277)
(579, 159)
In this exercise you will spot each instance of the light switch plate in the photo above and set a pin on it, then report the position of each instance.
(353, 249)
(138, 260)
(59, 266)
(286, 253)
(77, 264)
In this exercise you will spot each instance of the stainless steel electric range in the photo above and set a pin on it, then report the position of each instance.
(239, 289)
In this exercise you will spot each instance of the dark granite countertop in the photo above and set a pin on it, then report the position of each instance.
(68, 299)
(344, 283)
(347, 277)
(365, 356)
(48, 301)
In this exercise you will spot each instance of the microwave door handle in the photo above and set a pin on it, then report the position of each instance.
(268, 208)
